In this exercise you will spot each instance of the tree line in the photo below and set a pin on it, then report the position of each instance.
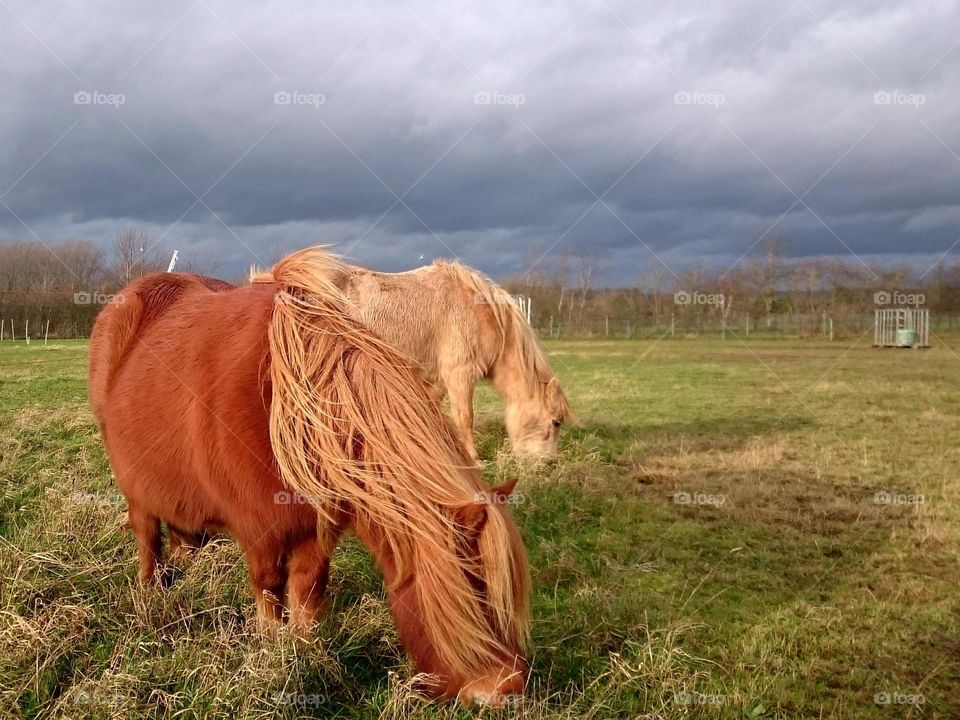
(59, 288)
(67, 283)
(766, 292)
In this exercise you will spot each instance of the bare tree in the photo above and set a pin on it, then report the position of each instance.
(137, 253)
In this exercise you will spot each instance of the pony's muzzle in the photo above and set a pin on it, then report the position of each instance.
(499, 689)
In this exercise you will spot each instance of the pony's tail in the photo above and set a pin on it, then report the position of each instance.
(353, 428)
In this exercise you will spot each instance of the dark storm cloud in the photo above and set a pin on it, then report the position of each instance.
(401, 130)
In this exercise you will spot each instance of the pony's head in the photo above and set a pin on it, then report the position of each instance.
(536, 405)
(473, 657)
(534, 421)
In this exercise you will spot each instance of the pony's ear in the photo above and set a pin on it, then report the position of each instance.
(563, 405)
(471, 517)
(503, 491)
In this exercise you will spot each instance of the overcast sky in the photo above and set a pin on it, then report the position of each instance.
(506, 134)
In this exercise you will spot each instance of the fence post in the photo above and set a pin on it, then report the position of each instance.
(46, 332)
(26, 331)
(2, 323)
(831, 329)
(673, 319)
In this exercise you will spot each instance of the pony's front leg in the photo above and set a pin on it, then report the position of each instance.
(460, 388)
(268, 576)
(308, 568)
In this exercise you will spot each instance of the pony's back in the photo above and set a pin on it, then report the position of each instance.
(127, 316)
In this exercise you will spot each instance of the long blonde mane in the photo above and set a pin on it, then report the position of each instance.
(515, 332)
(352, 426)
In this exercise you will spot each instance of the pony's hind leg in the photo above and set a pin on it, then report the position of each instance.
(184, 544)
(146, 528)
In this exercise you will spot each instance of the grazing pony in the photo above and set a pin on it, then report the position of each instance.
(267, 411)
(461, 327)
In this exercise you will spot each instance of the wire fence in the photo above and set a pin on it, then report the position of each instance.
(794, 325)
(71, 315)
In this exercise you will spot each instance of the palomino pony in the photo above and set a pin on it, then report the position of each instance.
(267, 411)
(462, 327)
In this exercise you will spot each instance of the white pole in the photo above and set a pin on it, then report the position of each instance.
(13, 331)
(26, 331)
(2, 323)
(173, 260)
(46, 332)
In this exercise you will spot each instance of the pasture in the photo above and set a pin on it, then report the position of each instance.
(750, 528)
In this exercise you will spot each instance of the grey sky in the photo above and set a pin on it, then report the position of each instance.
(497, 132)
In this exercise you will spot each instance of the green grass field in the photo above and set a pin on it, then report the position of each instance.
(741, 530)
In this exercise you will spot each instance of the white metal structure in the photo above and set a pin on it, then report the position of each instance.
(888, 322)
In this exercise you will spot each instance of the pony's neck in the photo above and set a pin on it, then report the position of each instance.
(507, 374)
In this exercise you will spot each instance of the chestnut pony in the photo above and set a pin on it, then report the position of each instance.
(269, 412)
